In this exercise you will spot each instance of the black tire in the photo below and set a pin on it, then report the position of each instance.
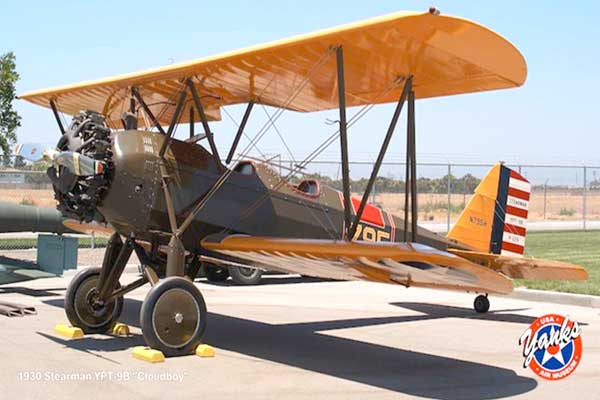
(481, 304)
(173, 316)
(79, 309)
(216, 274)
(245, 276)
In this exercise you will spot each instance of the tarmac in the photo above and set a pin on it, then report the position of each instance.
(293, 338)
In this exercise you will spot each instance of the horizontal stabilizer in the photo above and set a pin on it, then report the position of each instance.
(526, 267)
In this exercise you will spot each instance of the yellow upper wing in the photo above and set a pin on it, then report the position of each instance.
(400, 263)
(446, 55)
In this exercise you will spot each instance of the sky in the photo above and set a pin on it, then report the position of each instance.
(551, 119)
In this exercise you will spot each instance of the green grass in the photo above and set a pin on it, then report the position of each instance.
(582, 248)
(31, 243)
(441, 206)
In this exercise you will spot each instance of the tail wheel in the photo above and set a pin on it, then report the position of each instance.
(481, 304)
(245, 276)
(173, 316)
(83, 308)
(216, 274)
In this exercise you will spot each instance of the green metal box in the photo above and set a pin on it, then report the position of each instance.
(56, 253)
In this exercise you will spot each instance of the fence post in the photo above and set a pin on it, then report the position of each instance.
(545, 197)
(584, 213)
(93, 240)
(449, 200)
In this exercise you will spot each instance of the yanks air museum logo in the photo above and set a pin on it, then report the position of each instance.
(552, 346)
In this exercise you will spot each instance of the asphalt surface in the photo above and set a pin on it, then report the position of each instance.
(297, 339)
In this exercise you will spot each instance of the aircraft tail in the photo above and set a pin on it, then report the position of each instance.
(31, 151)
(494, 220)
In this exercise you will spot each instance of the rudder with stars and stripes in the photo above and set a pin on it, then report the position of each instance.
(495, 218)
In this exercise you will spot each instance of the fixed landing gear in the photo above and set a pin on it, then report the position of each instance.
(173, 316)
(245, 276)
(85, 309)
(481, 304)
(216, 274)
(240, 275)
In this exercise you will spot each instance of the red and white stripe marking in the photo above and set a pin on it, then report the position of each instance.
(392, 225)
(515, 220)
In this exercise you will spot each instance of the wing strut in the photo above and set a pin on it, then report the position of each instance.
(136, 93)
(176, 251)
(382, 151)
(57, 117)
(238, 135)
(178, 109)
(192, 122)
(411, 171)
(207, 132)
(344, 139)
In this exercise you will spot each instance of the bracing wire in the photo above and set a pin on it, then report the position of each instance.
(313, 155)
(219, 183)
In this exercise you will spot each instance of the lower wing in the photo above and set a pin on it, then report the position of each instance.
(408, 264)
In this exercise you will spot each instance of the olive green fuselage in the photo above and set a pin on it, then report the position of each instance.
(253, 201)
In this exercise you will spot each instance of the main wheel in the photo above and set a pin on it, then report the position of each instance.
(216, 274)
(481, 304)
(83, 308)
(173, 316)
(245, 276)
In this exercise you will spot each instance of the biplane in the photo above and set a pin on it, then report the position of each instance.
(178, 204)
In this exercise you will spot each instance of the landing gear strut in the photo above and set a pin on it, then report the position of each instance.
(481, 304)
(94, 301)
(84, 307)
(215, 274)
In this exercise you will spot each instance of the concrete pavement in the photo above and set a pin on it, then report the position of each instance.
(297, 339)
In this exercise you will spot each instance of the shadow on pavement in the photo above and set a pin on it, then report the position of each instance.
(25, 291)
(270, 280)
(91, 344)
(16, 263)
(13, 270)
(435, 311)
(307, 346)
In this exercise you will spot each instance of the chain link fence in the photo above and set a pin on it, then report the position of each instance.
(563, 197)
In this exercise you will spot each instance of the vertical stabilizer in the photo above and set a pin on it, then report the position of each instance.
(495, 218)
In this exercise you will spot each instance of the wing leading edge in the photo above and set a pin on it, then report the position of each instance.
(407, 264)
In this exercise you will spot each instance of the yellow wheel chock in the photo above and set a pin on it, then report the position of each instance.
(204, 350)
(147, 354)
(121, 330)
(70, 332)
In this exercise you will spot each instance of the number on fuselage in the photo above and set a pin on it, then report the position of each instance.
(372, 226)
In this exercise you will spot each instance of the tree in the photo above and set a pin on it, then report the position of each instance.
(9, 118)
